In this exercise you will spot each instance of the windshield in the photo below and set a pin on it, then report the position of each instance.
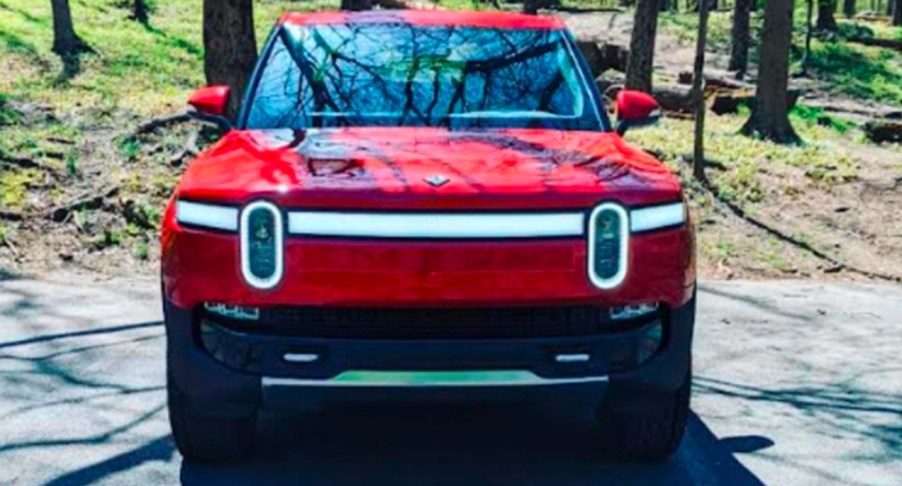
(413, 75)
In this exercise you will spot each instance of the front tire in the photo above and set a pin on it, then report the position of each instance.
(649, 430)
(207, 439)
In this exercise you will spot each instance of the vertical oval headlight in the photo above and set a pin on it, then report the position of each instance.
(262, 244)
(608, 245)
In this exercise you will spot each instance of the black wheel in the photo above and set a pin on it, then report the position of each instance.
(649, 430)
(200, 438)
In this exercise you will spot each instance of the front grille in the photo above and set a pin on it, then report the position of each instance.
(435, 323)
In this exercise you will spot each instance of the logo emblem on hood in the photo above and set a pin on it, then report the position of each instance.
(437, 180)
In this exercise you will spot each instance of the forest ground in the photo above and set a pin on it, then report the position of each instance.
(79, 191)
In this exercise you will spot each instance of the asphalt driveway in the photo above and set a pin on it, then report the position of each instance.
(796, 383)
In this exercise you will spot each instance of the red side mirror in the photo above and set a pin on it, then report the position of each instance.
(636, 109)
(211, 100)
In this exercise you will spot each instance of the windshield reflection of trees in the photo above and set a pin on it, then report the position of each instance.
(410, 75)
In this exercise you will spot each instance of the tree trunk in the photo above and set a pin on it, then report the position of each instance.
(806, 57)
(642, 46)
(739, 52)
(65, 40)
(848, 8)
(139, 11)
(826, 20)
(698, 93)
(230, 46)
(770, 115)
(356, 4)
(897, 13)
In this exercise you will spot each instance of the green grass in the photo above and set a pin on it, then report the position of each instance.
(464, 5)
(14, 187)
(747, 160)
(840, 66)
(722, 248)
(145, 69)
(685, 27)
(857, 71)
(848, 68)
(8, 115)
(49, 108)
(808, 116)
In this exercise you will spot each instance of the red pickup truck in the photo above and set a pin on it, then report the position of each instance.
(426, 205)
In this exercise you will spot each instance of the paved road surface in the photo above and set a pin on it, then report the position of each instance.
(797, 383)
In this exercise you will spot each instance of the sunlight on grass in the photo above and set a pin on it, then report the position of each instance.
(843, 67)
(858, 71)
(685, 27)
(145, 69)
(744, 158)
(462, 4)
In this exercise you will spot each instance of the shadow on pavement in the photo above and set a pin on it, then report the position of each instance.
(160, 449)
(76, 334)
(478, 446)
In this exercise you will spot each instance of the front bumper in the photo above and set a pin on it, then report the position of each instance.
(230, 371)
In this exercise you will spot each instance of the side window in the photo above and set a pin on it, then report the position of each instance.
(275, 101)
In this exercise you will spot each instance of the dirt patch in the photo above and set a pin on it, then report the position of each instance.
(97, 209)
(849, 221)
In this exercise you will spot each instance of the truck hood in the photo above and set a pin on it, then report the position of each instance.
(427, 168)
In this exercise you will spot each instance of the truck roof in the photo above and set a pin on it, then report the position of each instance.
(439, 18)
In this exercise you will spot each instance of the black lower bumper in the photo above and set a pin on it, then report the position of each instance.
(233, 371)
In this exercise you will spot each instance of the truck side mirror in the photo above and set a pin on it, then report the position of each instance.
(210, 104)
(636, 109)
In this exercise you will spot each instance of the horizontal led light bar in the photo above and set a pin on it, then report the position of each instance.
(656, 217)
(207, 215)
(435, 225)
(430, 225)
(469, 378)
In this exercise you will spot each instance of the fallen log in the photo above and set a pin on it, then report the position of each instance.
(877, 42)
(879, 131)
(85, 201)
(855, 109)
(674, 97)
(10, 216)
(26, 163)
(157, 123)
(726, 80)
(20, 162)
(729, 102)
